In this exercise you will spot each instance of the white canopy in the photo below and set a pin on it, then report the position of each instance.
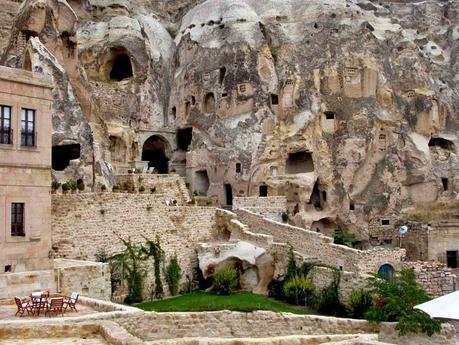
(444, 307)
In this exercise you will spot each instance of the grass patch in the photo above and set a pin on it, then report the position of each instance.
(441, 210)
(204, 301)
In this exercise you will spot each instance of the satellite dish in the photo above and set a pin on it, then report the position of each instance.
(403, 229)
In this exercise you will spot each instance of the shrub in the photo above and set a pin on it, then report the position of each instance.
(344, 237)
(359, 302)
(116, 187)
(65, 187)
(173, 275)
(395, 301)
(72, 185)
(141, 189)
(225, 280)
(292, 269)
(328, 302)
(298, 290)
(152, 190)
(55, 185)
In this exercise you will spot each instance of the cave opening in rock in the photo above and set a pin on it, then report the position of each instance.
(325, 226)
(229, 194)
(209, 103)
(122, 67)
(63, 154)
(442, 143)
(238, 168)
(221, 75)
(299, 162)
(174, 113)
(315, 198)
(201, 182)
(274, 99)
(263, 190)
(444, 182)
(184, 137)
(154, 152)
(329, 115)
(117, 149)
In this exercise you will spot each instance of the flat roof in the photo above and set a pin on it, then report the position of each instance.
(23, 76)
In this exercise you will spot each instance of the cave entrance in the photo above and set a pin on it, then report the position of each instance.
(229, 195)
(325, 226)
(299, 162)
(209, 103)
(201, 182)
(63, 154)
(154, 151)
(442, 143)
(316, 197)
(263, 190)
(184, 137)
(122, 66)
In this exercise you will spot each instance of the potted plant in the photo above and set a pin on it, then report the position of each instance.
(73, 186)
(55, 186)
(65, 188)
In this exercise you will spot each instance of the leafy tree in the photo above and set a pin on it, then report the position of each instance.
(395, 301)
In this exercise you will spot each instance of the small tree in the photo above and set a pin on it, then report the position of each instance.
(395, 301)
(360, 301)
(344, 237)
(173, 275)
(298, 289)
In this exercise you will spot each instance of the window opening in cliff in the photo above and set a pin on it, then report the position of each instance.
(193, 100)
(351, 206)
(299, 162)
(209, 103)
(329, 115)
(117, 149)
(187, 108)
(263, 190)
(324, 196)
(122, 67)
(184, 137)
(27, 64)
(229, 194)
(221, 75)
(224, 94)
(274, 99)
(385, 222)
(238, 168)
(154, 152)
(315, 198)
(386, 272)
(201, 182)
(28, 34)
(62, 155)
(442, 143)
(174, 113)
(7, 268)
(451, 258)
(444, 182)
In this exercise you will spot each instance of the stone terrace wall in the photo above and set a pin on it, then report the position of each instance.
(316, 245)
(168, 187)
(85, 224)
(23, 283)
(434, 277)
(269, 207)
(155, 326)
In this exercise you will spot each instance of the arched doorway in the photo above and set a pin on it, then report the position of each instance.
(386, 272)
(155, 150)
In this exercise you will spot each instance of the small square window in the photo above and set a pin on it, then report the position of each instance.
(238, 168)
(385, 222)
(329, 115)
(7, 268)
(274, 99)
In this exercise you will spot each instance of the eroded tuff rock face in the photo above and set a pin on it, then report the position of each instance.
(349, 108)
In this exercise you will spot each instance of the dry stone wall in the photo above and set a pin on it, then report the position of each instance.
(320, 247)
(269, 207)
(435, 277)
(87, 224)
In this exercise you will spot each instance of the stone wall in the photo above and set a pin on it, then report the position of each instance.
(85, 277)
(269, 207)
(389, 334)
(167, 187)
(23, 283)
(87, 224)
(320, 247)
(434, 277)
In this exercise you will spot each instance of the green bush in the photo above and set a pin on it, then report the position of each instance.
(72, 185)
(360, 302)
(344, 237)
(55, 185)
(141, 189)
(284, 217)
(395, 301)
(65, 186)
(173, 275)
(225, 280)
(298, 290)
(152, 190)
(328, 302)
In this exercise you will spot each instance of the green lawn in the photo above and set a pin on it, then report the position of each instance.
(204, 301)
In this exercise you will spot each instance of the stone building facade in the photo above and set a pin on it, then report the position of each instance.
(25, 170)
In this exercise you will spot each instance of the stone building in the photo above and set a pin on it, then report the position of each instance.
(25, 170)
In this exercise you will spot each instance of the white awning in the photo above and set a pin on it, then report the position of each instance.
(444, 307)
